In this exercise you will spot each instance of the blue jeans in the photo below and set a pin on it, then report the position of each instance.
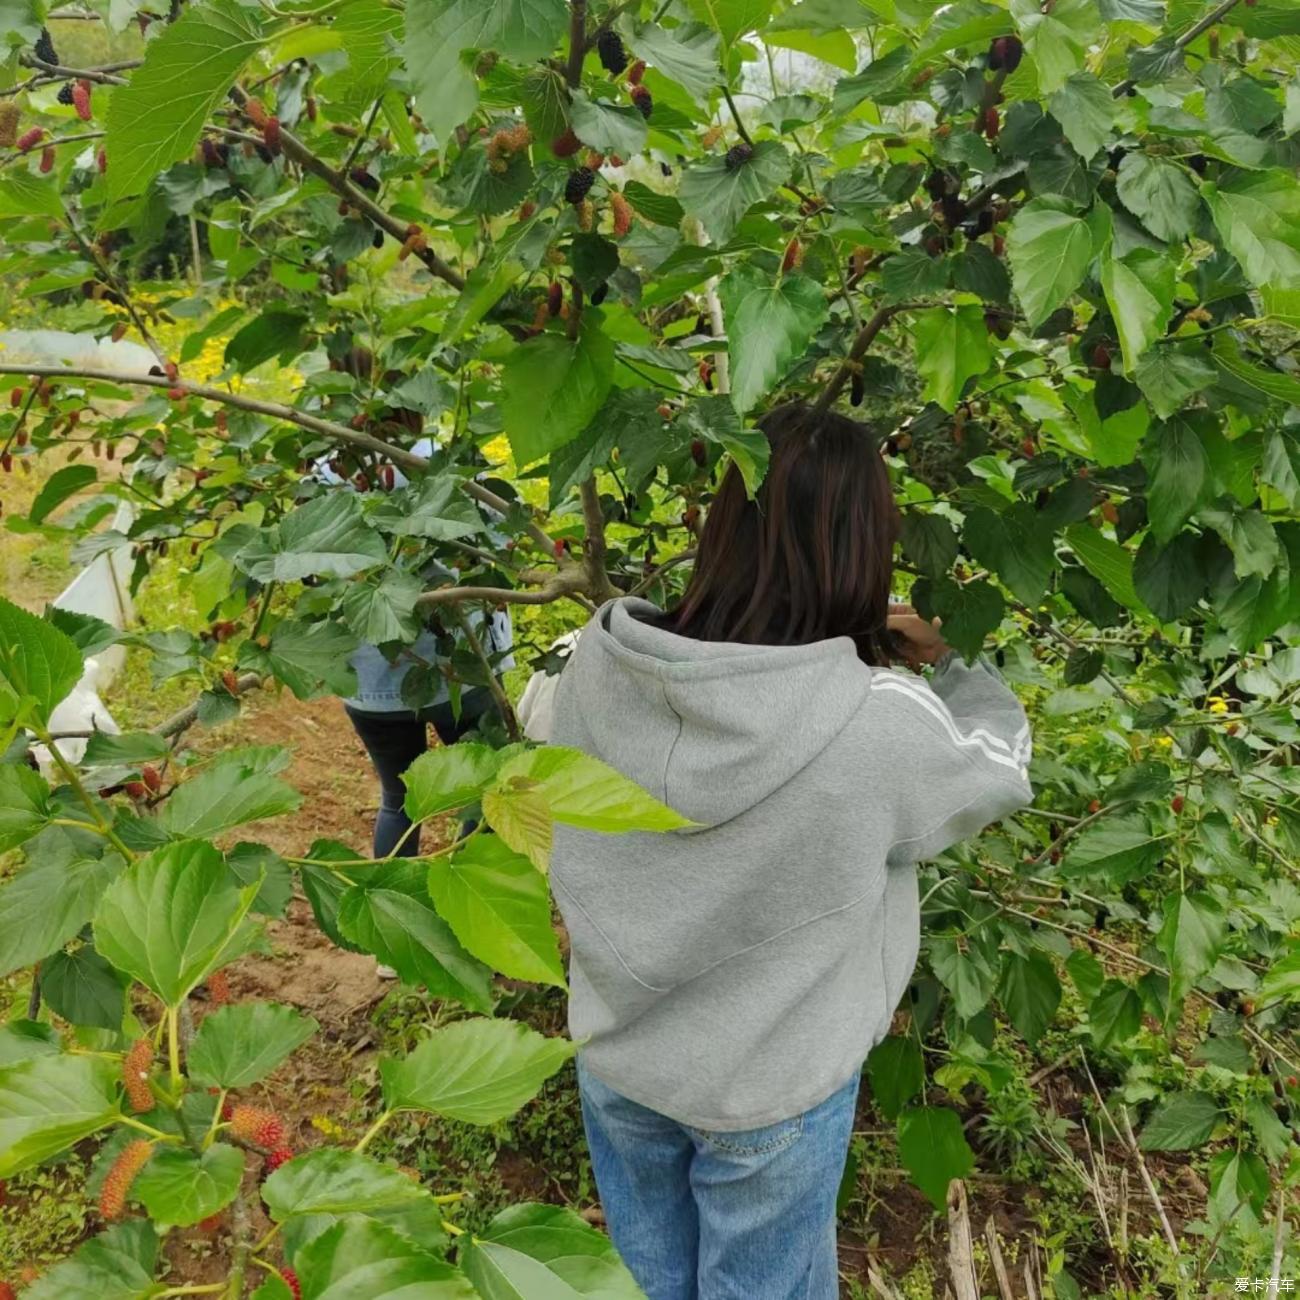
(720, 1216)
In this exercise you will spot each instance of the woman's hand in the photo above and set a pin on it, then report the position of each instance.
(920, 640)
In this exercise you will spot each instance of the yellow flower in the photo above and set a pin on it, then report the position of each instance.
(323, 1124)
(1164, 742)
(1218, 704)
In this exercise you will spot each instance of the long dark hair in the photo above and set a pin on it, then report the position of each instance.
(809, 559)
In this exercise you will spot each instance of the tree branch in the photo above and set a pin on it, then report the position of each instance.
(494, 686)
(577, 41)
(570, 581)
(599, 587)
(866, 337)
(296, 151)
(277, 411)
(103, 75)
(1185, 39)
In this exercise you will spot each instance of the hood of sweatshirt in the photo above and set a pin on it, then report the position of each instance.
(711, 728)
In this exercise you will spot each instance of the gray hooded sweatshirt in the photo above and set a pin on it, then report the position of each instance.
(737, 974)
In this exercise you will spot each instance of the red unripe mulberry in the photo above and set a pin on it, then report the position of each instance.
(230, 681)
(30, 139)
(280, 1156)
(7, 1292)
(622, 210)
(47, 160)
(793, 258)
(992, 123)
(81, 99)
(291, 1281)
(112, 1196)
(260, 1127)
(101, 162)
(16, 397)
(256, 112)
(566, 144)
(177, 394)
(636, 72)
(135, 1075)
(271, 134)
(699, 453)
(1176, 804)
(554, 297)
(643, 100)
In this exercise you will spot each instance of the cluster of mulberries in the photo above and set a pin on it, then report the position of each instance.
(262, 1128)
(505, 143)
(613, 56)
(117, 1183)
(579, 184)
(135, 1075)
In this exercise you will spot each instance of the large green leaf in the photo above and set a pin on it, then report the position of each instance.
(358, 1258)
(1117, 850)
(970, 610)
(1049, 249)
(56, 489)
(24, 804)
(326, 538)
(1030, 993)
(1015, 545)
(548, 1252)
(173, 917)
(934, 1150)
(687, 55)
(1182, 1121)
(1168, 579)
(47, 1103)
(240, 1044)
(720, 194)
(1085, 109)
(157, 118)
(117, 1264)
(952, 346)
(499, 907)
(46, 903)
(309, 658)
(449, 777)
(606, 126)
(436, 507)
(1107, 561)
(84, 989)
(732, 19)
(1177, 469)
(438, 31)
(553, 386)
(412, 938)
(1056, 37)
(1168, 376)
(330, 1180)
(1282, 980)
(228, 793)
(1139, 289)
(384, 610)
(1258, 219)
(770, 323)
(896, 1070)
(477, 1071)
(1190, 938)
(179, 1187)
(38, 664)
(1159, 193)
(582, 791)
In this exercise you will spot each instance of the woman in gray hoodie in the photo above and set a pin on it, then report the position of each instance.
(729, 980)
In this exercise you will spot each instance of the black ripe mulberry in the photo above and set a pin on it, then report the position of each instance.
(600, 293)
(44, 47)
(65, 93)
(377, 239)
(578, 185)
(643, 100)
(738, 155)
(363, 180)
(613, 56)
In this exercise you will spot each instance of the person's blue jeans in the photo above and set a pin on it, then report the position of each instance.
(720, 1216)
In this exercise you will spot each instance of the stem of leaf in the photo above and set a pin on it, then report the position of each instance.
(174, 1047)
(383, 1119)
